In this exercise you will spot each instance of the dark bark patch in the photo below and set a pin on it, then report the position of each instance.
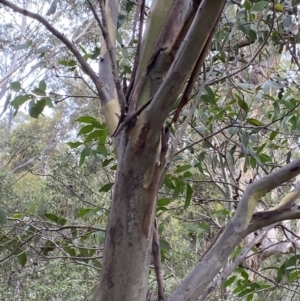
(116, 234)
(141, 140)
(295, 168)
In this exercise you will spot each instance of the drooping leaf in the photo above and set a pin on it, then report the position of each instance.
(36, 109)
(83, 155)
(22, 259)
(188, 196)
(3, 216)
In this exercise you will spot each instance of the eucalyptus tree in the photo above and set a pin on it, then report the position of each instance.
(182, 48)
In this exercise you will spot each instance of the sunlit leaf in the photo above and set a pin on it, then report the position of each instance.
(254, 122)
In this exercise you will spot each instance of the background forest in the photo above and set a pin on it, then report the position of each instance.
(239, 123)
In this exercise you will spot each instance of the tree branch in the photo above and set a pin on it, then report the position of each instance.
(85, 66)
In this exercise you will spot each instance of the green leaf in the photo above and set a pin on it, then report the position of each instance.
(164, 244)
(163, 202)
(101, 149)
(70, 251)
(265, 158)
(63, 62)
(49, 246)
(22, 259)
(229, 281)
(168, 182)
(82, 157)
(177, 189)
(259, 6)
(243, 105)
(182, 168)
(85, 211)
(252, 35)
(86, 129)
(254, 122)
(127, 69)
(15, 86)
(72, 63)
(21, 99)
(273, 135)
(188, 196)
(106, 162)
(95, 53)
(74, 144)
(52, 217)
(106, 187)
(3, 216)
(49, 103)
(204, 226)
(89, 119)
(37, 109)
(62, 221)
(94, 135)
